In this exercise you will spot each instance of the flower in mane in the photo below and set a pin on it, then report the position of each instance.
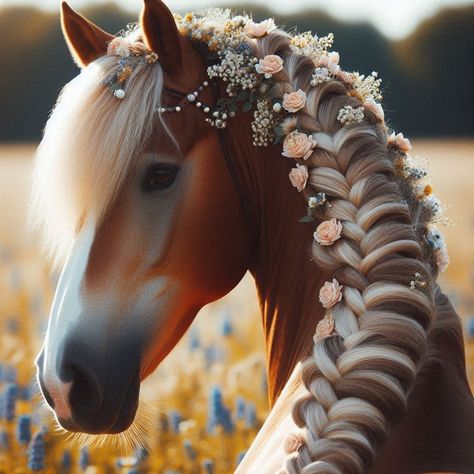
(298, 145)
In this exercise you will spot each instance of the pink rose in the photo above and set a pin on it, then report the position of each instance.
(119, 47)
(269, 65)
(330, 293)
(299, 177)
(257, 30)
(400, 142)
(298, 145)
(375, 108)
(328, 232)
(324, 329)
(442, 258)
(331, 62)
(138, 48)
(345, 76)
(292, 443)
(294, 101)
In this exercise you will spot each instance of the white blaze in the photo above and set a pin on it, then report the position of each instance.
(66, 309)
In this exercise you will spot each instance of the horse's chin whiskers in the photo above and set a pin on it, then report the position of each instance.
(137, 435)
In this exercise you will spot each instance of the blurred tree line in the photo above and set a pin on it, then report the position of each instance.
(427, 77)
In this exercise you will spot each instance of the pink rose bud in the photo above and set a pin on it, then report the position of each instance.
(292, 443)
(330, 293)
(324, 329)
(375, 108)
(400, 142)
(299, 177)
(257, 30)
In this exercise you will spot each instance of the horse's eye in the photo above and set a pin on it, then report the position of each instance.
(158, 177)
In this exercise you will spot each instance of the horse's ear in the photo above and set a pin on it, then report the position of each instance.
(85, 40)
(162, 35)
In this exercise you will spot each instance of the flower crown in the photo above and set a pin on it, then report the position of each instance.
(250, 86)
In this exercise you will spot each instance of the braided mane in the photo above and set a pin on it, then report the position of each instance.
(359, 377)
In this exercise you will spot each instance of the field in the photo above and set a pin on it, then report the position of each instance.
(210, 394)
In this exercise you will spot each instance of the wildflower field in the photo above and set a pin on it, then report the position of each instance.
(207, 401)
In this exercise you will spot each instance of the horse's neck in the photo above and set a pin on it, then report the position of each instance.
(288, 281)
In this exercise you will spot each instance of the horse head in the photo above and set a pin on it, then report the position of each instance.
(159, 229)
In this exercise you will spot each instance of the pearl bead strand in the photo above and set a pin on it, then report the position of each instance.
(216, 118)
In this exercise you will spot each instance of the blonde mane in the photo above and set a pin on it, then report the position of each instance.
(91, 144)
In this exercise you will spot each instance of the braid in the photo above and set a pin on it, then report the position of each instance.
(359, 376)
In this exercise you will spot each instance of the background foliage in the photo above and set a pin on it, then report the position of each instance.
(428, 76)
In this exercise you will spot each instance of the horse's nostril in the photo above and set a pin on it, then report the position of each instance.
(84, 396)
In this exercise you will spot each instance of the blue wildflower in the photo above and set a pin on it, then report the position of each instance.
(189, 450)
(84, 458)
(175, 419)
(208, 466)
(218, 414)
(23, 429)
(251, 416)
(239, 408)
(36, 453)
(240, 456)
(194, 342)
(4, 441)
(66, 460)
(9, 401)
(226, 328)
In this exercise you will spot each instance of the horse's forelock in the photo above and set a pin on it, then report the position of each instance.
(91, 143)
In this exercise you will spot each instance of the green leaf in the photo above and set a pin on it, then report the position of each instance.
(242, 95)
(247, 106)
(306, 219)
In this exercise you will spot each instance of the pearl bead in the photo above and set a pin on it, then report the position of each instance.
(224, 116)
(215, 114)
(205, 83)
(195, 93)
(178, 108)
(191, 98)
(277, 107)
(162, 110)
(119, 93)
(206, 110)
(198, 104)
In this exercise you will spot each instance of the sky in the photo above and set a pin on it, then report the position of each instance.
(394, 18)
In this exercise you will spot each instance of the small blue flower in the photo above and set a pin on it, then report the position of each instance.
(240, 456)
(141, 453)
(36, 453)
(470, 327)
(23, 429)
(251, 416)
(194, 342)
(189, 450)
(218, 414)
(208, 466)
(9, 402)
(175, 419)
(227, 328)
(84, 458)
(66, 460)
(239, 408)
(4, 441)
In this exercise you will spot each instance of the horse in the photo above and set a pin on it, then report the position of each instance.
(156, 190)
